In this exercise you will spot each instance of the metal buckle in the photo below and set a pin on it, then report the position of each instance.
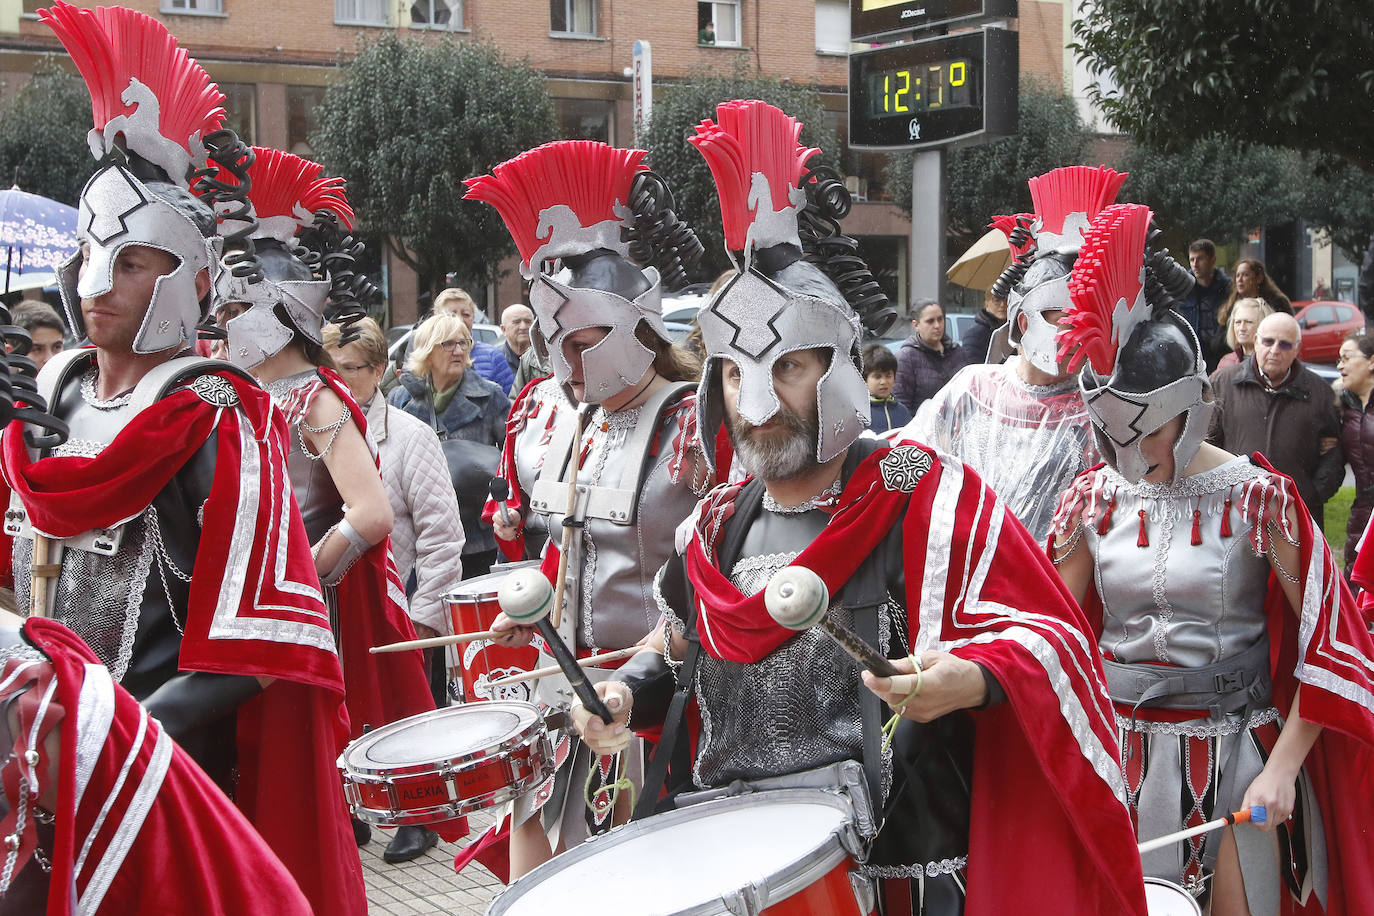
(1230, 682)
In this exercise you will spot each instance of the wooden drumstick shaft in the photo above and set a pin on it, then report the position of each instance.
(570, 515)
(1255, 813)
(454, 640)
(41, 571)
(551, 670)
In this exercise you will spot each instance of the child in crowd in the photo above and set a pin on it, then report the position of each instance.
(880, 372)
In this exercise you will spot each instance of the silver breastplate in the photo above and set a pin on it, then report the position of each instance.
(1174, 601)
(546, 406)
(798, 707)
(614, 565)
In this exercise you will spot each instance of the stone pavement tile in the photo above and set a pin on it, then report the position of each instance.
(429, 884)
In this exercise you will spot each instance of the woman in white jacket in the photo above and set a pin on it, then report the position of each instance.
(427, 537)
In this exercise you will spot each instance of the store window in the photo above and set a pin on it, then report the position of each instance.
(301, 105)
(585, 119)
(361, 12)
(241, 109)
(723, 18)
(437, 14)
(572, 17)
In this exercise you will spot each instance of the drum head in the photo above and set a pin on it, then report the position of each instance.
(443, 734)
(1164, 898)
(483, 588)
(686, 861)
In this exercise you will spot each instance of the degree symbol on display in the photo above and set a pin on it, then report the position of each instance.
(913, 129)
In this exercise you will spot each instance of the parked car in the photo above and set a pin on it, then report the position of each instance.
(1324, 323)
(683, 305)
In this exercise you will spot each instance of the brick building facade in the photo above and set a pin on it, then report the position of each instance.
(274, 58)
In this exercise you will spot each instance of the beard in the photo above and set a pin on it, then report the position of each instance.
(782, 453)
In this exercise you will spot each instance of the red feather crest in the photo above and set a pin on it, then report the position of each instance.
(750, 137)
(1106, 289)
(112, 45)
(1076, 189)
(282, 184)
(590, 179)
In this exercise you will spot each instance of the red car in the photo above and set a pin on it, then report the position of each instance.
(1324, 323)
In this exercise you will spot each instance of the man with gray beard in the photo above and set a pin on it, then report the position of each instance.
(1000, 698)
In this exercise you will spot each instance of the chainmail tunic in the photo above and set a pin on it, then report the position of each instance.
(797, 708)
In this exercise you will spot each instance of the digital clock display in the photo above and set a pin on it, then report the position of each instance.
(954, 88)
(912, 90)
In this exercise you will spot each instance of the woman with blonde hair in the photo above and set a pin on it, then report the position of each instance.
(467, 412)
(1246, 316)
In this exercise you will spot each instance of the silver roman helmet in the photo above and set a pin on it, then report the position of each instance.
(151, 111)
(285, 196)
(1142, 363)
(1044, 246)
(780, 302)
(573, 208)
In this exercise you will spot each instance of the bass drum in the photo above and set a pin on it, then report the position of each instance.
(781, 853)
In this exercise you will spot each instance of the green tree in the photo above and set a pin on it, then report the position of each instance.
(1297, 75)
(43, 144)
(406, 121)
(684, 105)
(988, 179)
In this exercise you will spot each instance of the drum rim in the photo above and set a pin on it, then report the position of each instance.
(1181, 891)
(454, 596)
(806, 870)
(452, 762)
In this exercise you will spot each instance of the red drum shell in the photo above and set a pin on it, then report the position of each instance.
(473, 608)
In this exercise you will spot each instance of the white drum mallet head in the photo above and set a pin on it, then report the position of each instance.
(526, 596)
(796, 598)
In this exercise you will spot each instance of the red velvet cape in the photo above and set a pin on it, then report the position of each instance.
(255, 608)
(1049, 831)
(168, 833)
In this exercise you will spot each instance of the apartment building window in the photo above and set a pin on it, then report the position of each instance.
(572, 17)
(832, 26)
(241, 109)
(31, 7)
(724, 16)
(437, 14)
(361, 12)
(192, 6)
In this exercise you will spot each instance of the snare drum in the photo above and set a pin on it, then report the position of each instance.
(472, 606)
(1164, 898)
(780, 853)
(440, 765)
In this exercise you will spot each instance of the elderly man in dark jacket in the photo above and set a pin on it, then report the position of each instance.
(928, 358)
(1272, 404)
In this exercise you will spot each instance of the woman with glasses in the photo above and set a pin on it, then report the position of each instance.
(1246, 315)
(467, 412)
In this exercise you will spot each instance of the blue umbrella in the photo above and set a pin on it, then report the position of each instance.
(36, 236)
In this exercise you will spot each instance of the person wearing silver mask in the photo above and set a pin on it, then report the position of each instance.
(889, 532)
(598, 242)
(172, 549)
(1228, 634)
(1022, 424)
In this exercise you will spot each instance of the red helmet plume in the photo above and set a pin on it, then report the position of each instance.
(1106, 289)
(1066, 200)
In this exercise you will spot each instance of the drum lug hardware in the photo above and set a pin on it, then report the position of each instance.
(865, 894)
(747, 901)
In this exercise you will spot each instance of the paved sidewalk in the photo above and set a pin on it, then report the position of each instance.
(429, 884)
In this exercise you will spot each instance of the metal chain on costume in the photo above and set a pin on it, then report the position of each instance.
(333, 429)
(1058, 554)
(164, 562)
(821, 500)
(90, 397)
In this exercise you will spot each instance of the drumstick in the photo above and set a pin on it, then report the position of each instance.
(525, 597)
(1255, 814)
(569, 521)
(551, 670)
(456, 639)
(40, 571)
(798, 599)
